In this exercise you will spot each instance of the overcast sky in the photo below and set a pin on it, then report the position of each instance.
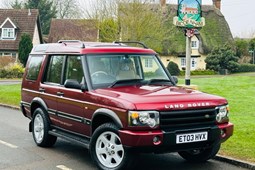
(240, 15)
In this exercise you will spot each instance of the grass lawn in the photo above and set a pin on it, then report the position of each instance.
(240, 92)
(10, 94)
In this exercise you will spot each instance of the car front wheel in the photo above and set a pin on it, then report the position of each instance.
(107, 150)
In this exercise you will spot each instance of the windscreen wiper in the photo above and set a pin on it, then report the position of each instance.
(126, 82)
(158, 81)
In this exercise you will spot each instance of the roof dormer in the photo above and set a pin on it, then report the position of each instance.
(8, 30)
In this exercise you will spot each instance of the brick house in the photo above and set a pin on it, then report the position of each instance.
(15, 22)
(72, 29)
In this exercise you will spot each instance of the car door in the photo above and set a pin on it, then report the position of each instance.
(49, 87)
(72, 102)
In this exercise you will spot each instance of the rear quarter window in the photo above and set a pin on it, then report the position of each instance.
(34, 67)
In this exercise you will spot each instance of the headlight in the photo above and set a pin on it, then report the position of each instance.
(143, 118)
(222, 114)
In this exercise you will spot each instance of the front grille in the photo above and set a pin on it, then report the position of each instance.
(187, 118)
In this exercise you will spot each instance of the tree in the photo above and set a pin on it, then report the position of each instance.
(242, 47)
(47, 11)
(222, 58)
(67, 9)
(132, 20)
(16, 4)
(252, 48)
(25, 46)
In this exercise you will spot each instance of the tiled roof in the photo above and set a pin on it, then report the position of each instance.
(73, 29)
(26, 24)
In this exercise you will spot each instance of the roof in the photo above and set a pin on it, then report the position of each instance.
(216, 31)
(79, 47)
(71, 29)
(24, 22)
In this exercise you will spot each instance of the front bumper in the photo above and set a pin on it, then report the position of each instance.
(167, 139)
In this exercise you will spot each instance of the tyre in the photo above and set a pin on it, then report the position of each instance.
(200, 155)
(107, 150)
(40, 129)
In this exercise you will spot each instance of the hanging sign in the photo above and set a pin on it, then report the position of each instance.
(189, 14)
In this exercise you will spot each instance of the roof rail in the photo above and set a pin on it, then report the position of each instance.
(72, 41)
(131, 42)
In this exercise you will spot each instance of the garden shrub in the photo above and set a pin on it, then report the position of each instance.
(12, 70)
(173, 68)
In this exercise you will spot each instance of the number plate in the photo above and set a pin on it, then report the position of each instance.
(191, 137)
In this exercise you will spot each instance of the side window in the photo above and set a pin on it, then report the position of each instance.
(34, 67)
(54, 70)
(74, 68)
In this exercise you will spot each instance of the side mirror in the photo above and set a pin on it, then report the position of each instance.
(73, 84)
(175, 79)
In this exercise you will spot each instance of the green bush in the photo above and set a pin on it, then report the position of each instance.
(12, 70)
(173, 68)
(245, 68)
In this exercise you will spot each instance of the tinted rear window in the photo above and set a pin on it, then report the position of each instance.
(34, 67)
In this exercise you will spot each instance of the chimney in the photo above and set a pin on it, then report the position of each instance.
(29, 12)
(217, 3)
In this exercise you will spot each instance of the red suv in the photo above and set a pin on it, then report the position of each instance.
(117, 100)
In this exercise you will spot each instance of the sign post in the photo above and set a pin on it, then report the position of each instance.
(189, 17)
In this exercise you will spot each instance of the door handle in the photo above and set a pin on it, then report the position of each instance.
(60, 93)
(41, 90)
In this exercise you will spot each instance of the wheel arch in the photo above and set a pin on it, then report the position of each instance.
(102, 116)
(36, 103)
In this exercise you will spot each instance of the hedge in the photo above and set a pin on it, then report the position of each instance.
(245, 68)
(200, 72)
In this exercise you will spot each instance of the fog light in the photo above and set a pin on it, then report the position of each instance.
(156, 140)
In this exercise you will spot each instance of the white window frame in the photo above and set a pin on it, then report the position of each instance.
(8, 33)
(193, 63)
(194, 44)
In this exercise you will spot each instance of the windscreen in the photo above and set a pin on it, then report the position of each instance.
(106, 70)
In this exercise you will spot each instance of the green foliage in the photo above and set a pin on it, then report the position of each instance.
(242, 47)
(245, 68)
(25, 46)
(252, 44)
(199, 72)
(17, 4)
(109, 30)
(13, 70)
(222, 58)
(173, 68)
(47, 11)
(139, 22)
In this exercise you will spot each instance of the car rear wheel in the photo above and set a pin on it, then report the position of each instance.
(200, 155)
(107, 150)
(40, 129)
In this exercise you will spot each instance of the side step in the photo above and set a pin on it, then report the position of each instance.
(70, 137)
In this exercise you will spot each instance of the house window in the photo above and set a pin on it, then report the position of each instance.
(193, 63)
(148, 63)
(183, 62)
(194, 44)
(8, 33)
